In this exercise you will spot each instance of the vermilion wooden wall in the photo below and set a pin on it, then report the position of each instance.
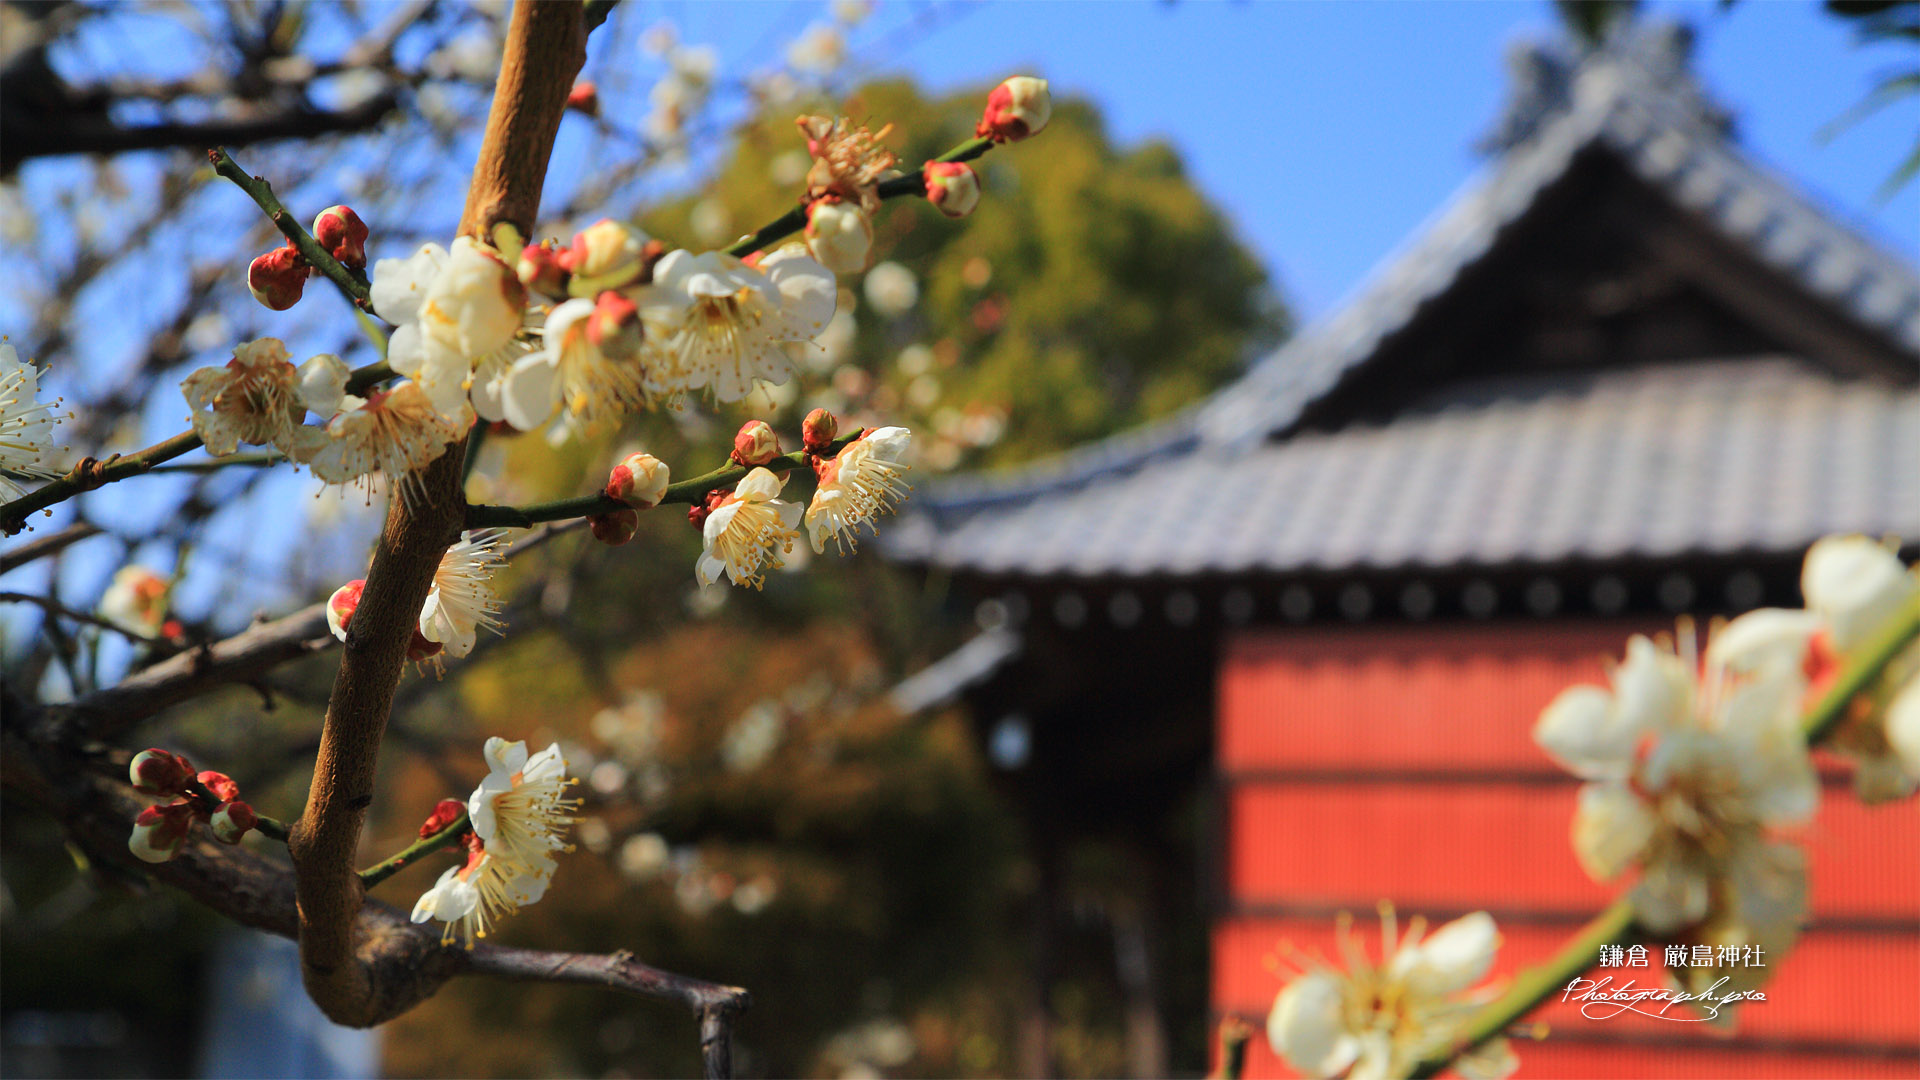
(1362, 764)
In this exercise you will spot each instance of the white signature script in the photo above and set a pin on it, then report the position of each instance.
(1600, 1000)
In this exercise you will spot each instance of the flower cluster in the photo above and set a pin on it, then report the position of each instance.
(460, 604)
(1380, 1020)
(1852, 587)
(160, 831)
(520, 816)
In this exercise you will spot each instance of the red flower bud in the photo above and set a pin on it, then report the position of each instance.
(343, 234)
(445, 813)
(232, 820)
(157, 772)
(952, 187)
(543, 268)
(277, 278)
(341, 605)
(755, 444)
(584, 98)
(818, 431)
(698, 513)
(614, 326)
(614, 528)
(1017, 109)
(640, 481)
(160, 831)
(419, 648)
(221, 785)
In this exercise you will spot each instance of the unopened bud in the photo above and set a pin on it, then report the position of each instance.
(839, 234)
(277, 278)
(232, 820)
(156, 772)
(699, 512)
(445, 813)
(640, 481)
(818, 431)
(159, 831)
(341, 605)
(1017, 109)
(343, 234)
(614, 327)
(604, 255)
(540, 269)
(952, 187)
(584, 98)
(221, 785)
(615, 528)
(755, 444)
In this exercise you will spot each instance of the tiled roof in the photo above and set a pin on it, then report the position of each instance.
(1759, 455)
(1635, 97)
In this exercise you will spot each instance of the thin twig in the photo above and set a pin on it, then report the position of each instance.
(351, 283)
(686, 491)
(386, 868)
(51, 544)
(54, 607)
(90, 474)
(270, 457)
(913, 183)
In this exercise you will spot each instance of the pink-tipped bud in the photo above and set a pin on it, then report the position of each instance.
(818, 431)
(343, 234)
(755, 444)
(699, 512)
(445, 813)
(220, 784)
(839, 235)
(232, 820)
(541, 269)
(614, 327)
(156, 772)
(1017, 109)
(159, 831)
(341, 605)
(640, 481)
(277, 278)
(584, 98)
(952, 187)
(605, 255)
(616, 528)
(419, 648)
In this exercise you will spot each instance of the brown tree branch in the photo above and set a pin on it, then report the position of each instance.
(544, 49)
(50, 544)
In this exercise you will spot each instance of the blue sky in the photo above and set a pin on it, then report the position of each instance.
(1329, 130)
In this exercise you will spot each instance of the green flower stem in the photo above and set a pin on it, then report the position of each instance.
(90, 474)
(686, 491)
(1613, 926)
(914, 183)
(381, 871)
(270, 457)
(271, 828)
(352, 283)
(1892, 640)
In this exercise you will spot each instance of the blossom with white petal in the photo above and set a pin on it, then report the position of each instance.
(26, 426)
(1380, 1020)
(260, 398)
(472, 897)
(136, 601)
(1689, 773)
(839, 234)
(744, 530)
(520, 811)
(392, 432)
(722, 324)
(592, 367)
(859, 484)
(819, 50)
(849, 161)
(462, 599)
(451, 310)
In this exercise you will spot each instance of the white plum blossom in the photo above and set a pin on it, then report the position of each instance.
(520, 812)
(724, 325)
(392, 432)
(472, 897)
(26, 426)
(136, 601)
(260, 398)
(859, 484)
(452, 310)
(462, 599)
(819, 50)
(1689, 773)
(595, 372)
(742, 533)
(1854, 588)
(1370, 1022)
